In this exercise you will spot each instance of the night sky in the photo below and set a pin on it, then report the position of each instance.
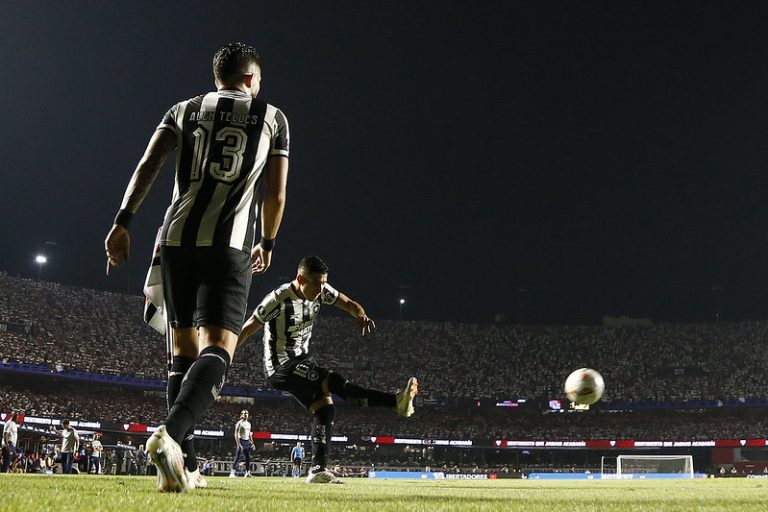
(606, 157)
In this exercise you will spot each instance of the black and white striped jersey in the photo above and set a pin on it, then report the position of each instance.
(288, 321)
(224, 139)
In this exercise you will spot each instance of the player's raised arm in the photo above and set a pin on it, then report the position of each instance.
(118, 242)
(251, 327)
(364, 322)
(271, 212)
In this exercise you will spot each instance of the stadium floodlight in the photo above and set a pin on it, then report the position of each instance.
(41, 260)
(401, 303)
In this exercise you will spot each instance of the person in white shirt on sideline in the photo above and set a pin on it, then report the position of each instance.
(70, 443)
(243, 443)
(10, 437)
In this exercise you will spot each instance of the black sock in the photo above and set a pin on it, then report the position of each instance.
(322, 431)
(358, 395)
(179, 368)
(199, 390)
(175, 376)
(188, 448)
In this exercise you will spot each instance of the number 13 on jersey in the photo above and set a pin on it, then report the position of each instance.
(224, 163)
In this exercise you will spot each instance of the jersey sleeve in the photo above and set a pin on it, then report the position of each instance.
(329, 295)
(269, 308)
(281, 139)
(169, 121)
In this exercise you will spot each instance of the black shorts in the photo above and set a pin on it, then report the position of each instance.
(205, 286)
(302, 378)
(297, 461)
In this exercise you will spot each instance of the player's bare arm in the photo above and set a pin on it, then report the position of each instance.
(364, 322)
(271, 212)
(118, 242)
(251, 327)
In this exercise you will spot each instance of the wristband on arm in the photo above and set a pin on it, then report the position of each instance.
(267, 243)
(123, 218)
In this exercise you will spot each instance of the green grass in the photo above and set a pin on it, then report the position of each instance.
(41, 492)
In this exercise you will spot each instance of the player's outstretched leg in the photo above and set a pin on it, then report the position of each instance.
(167, 457)
(402, 401)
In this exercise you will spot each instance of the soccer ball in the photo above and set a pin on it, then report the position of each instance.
(584, 386)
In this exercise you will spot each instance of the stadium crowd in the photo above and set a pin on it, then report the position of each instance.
(75, 328)
(118, 405)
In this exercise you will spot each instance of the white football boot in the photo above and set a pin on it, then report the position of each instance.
(404, 398)
(195, 480)
(322, 477)
(166, 455)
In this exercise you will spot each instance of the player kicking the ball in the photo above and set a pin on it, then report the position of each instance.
(289, 313)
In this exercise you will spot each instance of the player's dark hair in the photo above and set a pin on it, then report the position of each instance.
(313, 265)
(65, 422)
(232, 60)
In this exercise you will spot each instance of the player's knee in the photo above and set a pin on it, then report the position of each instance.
(218, 337)
(185, 342)
(320, 403)
(335, 383)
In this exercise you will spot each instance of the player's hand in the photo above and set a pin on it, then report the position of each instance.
(118, 247)
(365, 324)
(260, 260)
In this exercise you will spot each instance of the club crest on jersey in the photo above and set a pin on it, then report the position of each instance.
(315, 309)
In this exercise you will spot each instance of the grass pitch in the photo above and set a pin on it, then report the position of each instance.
(137, 494)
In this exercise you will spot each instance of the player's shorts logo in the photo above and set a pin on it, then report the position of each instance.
(306, 371)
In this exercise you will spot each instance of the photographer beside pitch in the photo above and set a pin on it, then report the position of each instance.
(289, 313)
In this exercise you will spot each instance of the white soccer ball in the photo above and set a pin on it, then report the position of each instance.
(584, 386)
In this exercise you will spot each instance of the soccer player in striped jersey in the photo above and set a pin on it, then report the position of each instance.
(227, 145)
(287, 315)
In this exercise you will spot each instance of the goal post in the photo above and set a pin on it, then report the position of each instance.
(671, 465)
(607, 465)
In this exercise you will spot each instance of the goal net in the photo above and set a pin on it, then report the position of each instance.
(654, 465)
